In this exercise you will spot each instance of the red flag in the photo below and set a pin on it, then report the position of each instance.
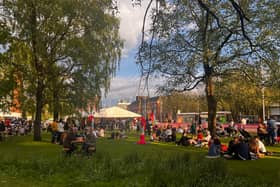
(152, 116)
(143, 122)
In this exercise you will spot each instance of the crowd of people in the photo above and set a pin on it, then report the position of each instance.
(14, 126)
(269, 132)
(73, 132)
(242, 145)
(69, 134)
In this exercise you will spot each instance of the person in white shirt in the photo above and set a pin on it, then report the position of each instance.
(261, 146)
(60, 131)
(21, 130)
(243, 123)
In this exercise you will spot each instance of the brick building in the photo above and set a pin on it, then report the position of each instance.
(145, 105)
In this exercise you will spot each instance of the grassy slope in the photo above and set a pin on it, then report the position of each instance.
(27, 163)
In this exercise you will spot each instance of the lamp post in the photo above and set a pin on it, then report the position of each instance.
(263, 78)
(263, 104)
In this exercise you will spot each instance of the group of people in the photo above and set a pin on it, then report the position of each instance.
(198, 141)
(167, 134)
(71, 140)
(242, 146)
(9, 127)
(268, 132)
(71, 136)
(59, 128)
(240, 149)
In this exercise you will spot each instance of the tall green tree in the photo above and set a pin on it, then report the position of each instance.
(199, 42)
(64, 37)
(239, 95)
(185, 102)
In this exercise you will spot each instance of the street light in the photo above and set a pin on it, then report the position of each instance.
(263, 88)
(263, 105)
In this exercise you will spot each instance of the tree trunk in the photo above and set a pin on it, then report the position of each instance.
(55, 104)
(209, 85)
(212, 106)
(38, 68)
(39, 107)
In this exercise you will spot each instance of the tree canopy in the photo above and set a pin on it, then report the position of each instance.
(201, 42)
(68, 46)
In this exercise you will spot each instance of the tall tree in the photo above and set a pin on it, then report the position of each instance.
(200, 42)
(63, 37)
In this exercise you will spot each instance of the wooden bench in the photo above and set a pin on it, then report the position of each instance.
(66, 151)
(91, 149)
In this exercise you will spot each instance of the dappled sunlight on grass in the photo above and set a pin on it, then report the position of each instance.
(35, 144)
(125, 160)
(272, 157)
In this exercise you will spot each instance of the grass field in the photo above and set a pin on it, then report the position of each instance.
(124, 163)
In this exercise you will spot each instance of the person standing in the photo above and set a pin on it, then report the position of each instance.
(54, 130)
(60, 131)
(243, 123)
(2, 130)
(272, 130)
(193, 128)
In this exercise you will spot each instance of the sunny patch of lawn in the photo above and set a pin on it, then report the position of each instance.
(124, 163)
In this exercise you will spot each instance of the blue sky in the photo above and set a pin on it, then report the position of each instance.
(128, 66)
(126, 83)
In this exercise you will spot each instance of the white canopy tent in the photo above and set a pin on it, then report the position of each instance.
(10, 114)
(115, 112)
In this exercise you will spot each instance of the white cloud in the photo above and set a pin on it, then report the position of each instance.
(127, 88)
(131, 21)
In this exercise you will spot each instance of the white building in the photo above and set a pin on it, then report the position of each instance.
(274, 110)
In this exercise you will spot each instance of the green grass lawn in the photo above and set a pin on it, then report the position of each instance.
(124, 163)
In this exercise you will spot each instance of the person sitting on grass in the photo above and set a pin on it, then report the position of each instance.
(21, 130)
(199, 136)
(214, 150)
(102, 132)
(163, 135)
(68, 139)
(184, 140)
(261, 147)
(168, 133)
(254, 149)
(231, 129)
(123, 134)
(201, 140)
(238, 149)
(90, 141)
(158, 133)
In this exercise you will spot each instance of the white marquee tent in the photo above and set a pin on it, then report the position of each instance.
(10, 114)
(115, 112)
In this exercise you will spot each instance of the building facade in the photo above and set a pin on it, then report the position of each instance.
(146, 106)
(274, 110)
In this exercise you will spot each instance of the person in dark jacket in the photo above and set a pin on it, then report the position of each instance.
(68, 141)
(238, 149)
